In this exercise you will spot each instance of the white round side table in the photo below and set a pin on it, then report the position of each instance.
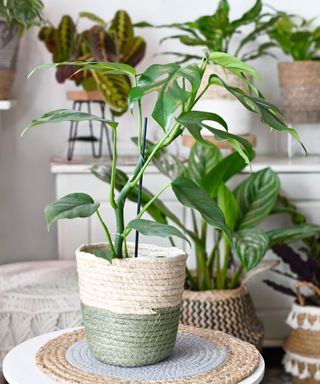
(19, 365)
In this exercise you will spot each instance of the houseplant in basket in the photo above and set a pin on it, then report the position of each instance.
(16, 17)
(215, 296)
(112, 41)
(302, 357)
(218, 32)
(299, 78)
(131, 305)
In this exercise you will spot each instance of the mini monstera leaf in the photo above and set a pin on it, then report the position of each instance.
(165, 80)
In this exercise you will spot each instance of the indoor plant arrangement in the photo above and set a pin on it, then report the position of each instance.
(215, 297)
(217, 32)
(112, 41)
(302, 357)
(16, 17)
(299, 79)
(131, 305)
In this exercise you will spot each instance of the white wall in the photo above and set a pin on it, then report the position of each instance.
(26, 184)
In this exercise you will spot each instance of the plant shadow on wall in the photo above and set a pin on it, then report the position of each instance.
(112, 41)
(178, 90)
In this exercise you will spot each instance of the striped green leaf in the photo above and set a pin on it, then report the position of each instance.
(299, 232)
(250, 245)
(256, 196)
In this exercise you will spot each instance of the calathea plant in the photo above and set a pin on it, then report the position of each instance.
(217, 32)
(112, 41)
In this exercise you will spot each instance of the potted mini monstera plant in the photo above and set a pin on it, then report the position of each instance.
(299, 79)
(16, 17)
(218, 32)
(131, 305)
(112, 41)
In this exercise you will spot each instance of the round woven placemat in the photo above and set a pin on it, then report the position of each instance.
(201, 356)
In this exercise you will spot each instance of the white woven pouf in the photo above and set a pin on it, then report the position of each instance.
(36, 298)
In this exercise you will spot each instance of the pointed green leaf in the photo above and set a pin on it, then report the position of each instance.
(193, 121)
(192, 196)
(256, 196)
(61, 115)
(250, 16)
(69, 207)
(250, 245)
(228, 205)
(236, 66)
(151, 228)
(92, 17)
(163, 79)
(298, 232)
(201, 161)
(103, 254)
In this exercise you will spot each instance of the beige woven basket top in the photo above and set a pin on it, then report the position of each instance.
(215, 294)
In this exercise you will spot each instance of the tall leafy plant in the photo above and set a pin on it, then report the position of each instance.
(201, 185)
(296, 37)
(177, 90)
(112, 41)
(217, 32)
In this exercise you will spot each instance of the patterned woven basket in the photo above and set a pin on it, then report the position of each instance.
(131, 306)
(300, 85)
(6, 81)
(302, 359)
(229, 311)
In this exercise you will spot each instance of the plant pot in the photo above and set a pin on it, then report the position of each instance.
(300, 85)
(9, 44)
(302, 359)
(219, 100)
(230, 311)
(131, 306)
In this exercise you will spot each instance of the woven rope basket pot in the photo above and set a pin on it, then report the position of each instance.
(229, 311)
(302, 359)
(131, 306)
(300, 85)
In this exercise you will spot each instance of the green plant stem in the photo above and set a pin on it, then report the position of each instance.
(201, 94)
(192, 282)
(113, 170)
(235, 278)
(226, 261)
(106, 231)
(118, 242)
(213, 255)
(204, 227)
(145, 208)
(194, 222)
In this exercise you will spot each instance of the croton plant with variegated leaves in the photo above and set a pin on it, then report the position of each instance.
(112, 41)
(177, 90)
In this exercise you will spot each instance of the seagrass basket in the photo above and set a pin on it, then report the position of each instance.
(229, 311)
(300, 86)
(302, 358)
(131, 307)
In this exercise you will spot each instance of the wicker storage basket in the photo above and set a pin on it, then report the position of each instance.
(300, 85)
(229, 311)
(131, 306)
(302, 347)
(6, 81)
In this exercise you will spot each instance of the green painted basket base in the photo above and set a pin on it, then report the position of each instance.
(130, 340)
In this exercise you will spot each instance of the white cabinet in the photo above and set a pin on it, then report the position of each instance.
(300, 180)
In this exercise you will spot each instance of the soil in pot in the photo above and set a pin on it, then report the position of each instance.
(229, 311)
(131, 306)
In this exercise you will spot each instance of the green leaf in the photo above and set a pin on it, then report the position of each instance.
(269, 113)
(250, 16)
(256, 196)
(201, 161)
(194, 122)
(228, 205)
(236, 66)
(122, 28)
(61, 115)
(229, 166)
(69, 207)
(151, 228)
(163, 79)
(250, 245)
(103, 254)
(93, 17)
(192, 196)
(298, 232)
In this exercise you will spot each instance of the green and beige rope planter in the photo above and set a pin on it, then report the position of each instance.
(131, 306)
